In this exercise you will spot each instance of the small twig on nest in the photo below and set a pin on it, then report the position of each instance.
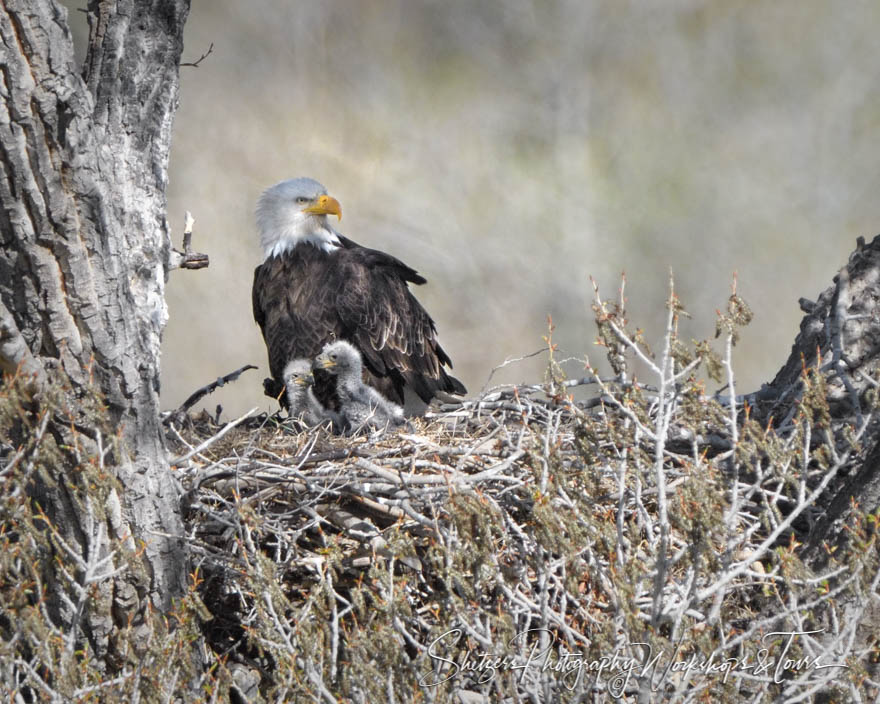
(211, 440)
(199, 394)
(195, 64)
(508, 361)
(187, 259)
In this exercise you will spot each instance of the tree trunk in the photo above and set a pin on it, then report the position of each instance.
(85, 252)
(839, 338)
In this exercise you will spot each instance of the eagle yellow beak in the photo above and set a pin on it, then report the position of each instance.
(325, 205)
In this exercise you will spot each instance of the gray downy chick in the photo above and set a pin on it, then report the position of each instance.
(303, 405)
(360, 405)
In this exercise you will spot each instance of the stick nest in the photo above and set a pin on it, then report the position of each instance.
(398, 565)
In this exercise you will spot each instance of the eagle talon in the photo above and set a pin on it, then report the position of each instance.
(273, 389)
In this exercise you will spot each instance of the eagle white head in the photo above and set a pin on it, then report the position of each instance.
(294, 212)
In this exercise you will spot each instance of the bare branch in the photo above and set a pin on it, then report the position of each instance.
(195, 64)
(187, 259)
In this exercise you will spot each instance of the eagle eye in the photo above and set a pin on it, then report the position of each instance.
(302, 200)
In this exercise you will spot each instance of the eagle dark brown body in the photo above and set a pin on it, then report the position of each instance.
(309, 295)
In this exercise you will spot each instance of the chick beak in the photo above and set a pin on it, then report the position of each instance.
(323, 363)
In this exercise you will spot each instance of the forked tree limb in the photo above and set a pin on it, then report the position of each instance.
(840, 338)
(200, 393)
(841, 335)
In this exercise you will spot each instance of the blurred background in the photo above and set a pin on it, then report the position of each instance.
(511, 150)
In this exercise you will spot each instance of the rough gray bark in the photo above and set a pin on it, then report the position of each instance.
(85, 245)
(839, 336)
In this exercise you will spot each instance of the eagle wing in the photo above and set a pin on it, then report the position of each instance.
(394, 333)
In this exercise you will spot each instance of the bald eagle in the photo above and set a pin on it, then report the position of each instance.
(315, 286)
(361, 406)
